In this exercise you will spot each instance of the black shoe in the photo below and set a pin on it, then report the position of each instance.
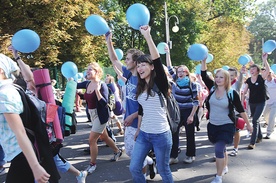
(197, 128)
(267, 137)
(152, 169)
(259, 140)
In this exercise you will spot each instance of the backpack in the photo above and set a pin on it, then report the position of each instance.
(36, 132)
(172, 109)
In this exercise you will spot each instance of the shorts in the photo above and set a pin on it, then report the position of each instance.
(221, 133)
(96, 124)
(62, 165)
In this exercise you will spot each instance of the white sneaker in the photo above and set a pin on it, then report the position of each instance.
(225, 170)
(91, 168)
(217, 179)
(82, 177)
(173, 161)
(234, 152)
(189, 159)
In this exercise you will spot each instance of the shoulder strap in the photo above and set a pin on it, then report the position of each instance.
(128, 76)
(87, 84)
(231, 94)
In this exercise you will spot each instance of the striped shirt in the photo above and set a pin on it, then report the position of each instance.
(154, 118)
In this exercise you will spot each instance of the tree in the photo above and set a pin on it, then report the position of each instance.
(60, 25)
(263, 27)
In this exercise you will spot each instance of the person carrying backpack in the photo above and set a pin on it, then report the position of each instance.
(60, 163)
(14, 140)
(221, 128)
(153, 125)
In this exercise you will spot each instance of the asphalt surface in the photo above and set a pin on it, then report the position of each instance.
(256, 166)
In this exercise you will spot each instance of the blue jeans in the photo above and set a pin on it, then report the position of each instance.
(2, 155)
(161, 144)
(256, 112)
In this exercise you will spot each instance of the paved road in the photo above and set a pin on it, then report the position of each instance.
(256, 166)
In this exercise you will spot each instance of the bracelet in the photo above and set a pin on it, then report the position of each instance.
(18, 58)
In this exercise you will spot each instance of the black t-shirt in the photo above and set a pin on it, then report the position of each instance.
(257, 90)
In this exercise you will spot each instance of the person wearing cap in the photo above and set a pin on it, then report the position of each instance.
(14, 140)
(270, 108)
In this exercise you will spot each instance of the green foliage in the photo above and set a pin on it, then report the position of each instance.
(263, 28)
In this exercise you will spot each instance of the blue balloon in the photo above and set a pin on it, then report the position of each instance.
(80, 75)
(84, 74)
(273, 68)
(161, 47)
(269, 46)
(137, 15)
(225, 67)
(209, 58)
(119, 53)
(215, 71)
(25, 41)
(197, 52)
(69, 69)
(244, 59)
(96, 25)
(198, 69)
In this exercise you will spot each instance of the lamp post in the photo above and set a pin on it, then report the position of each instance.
(167, 24)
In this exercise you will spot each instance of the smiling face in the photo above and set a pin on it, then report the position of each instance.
(222, 79)
(145, 67)
(130, 64)
(144, 70)
(94, 71)
(254, 70)
(182, 72)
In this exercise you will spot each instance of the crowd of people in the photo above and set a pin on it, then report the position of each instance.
(145, 122)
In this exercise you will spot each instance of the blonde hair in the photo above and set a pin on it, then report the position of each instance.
(227, 82)
(97, 68)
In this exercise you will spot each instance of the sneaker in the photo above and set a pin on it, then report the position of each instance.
(251, 146)
(3, 171)
(91, 168)
(189, 159)
(225, 170)
(116, 156)
(173, 160)
(217, 179)
(234, 152)
(267, 137)
(82, 177)
(152, 170)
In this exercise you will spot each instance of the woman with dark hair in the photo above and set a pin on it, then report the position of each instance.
(153, 126)
(257, 98)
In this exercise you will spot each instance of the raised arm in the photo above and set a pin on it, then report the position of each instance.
(145, 30)
(267, 68)
(25, 71)
(111, 52)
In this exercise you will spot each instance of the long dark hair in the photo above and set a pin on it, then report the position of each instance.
(142, 84)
